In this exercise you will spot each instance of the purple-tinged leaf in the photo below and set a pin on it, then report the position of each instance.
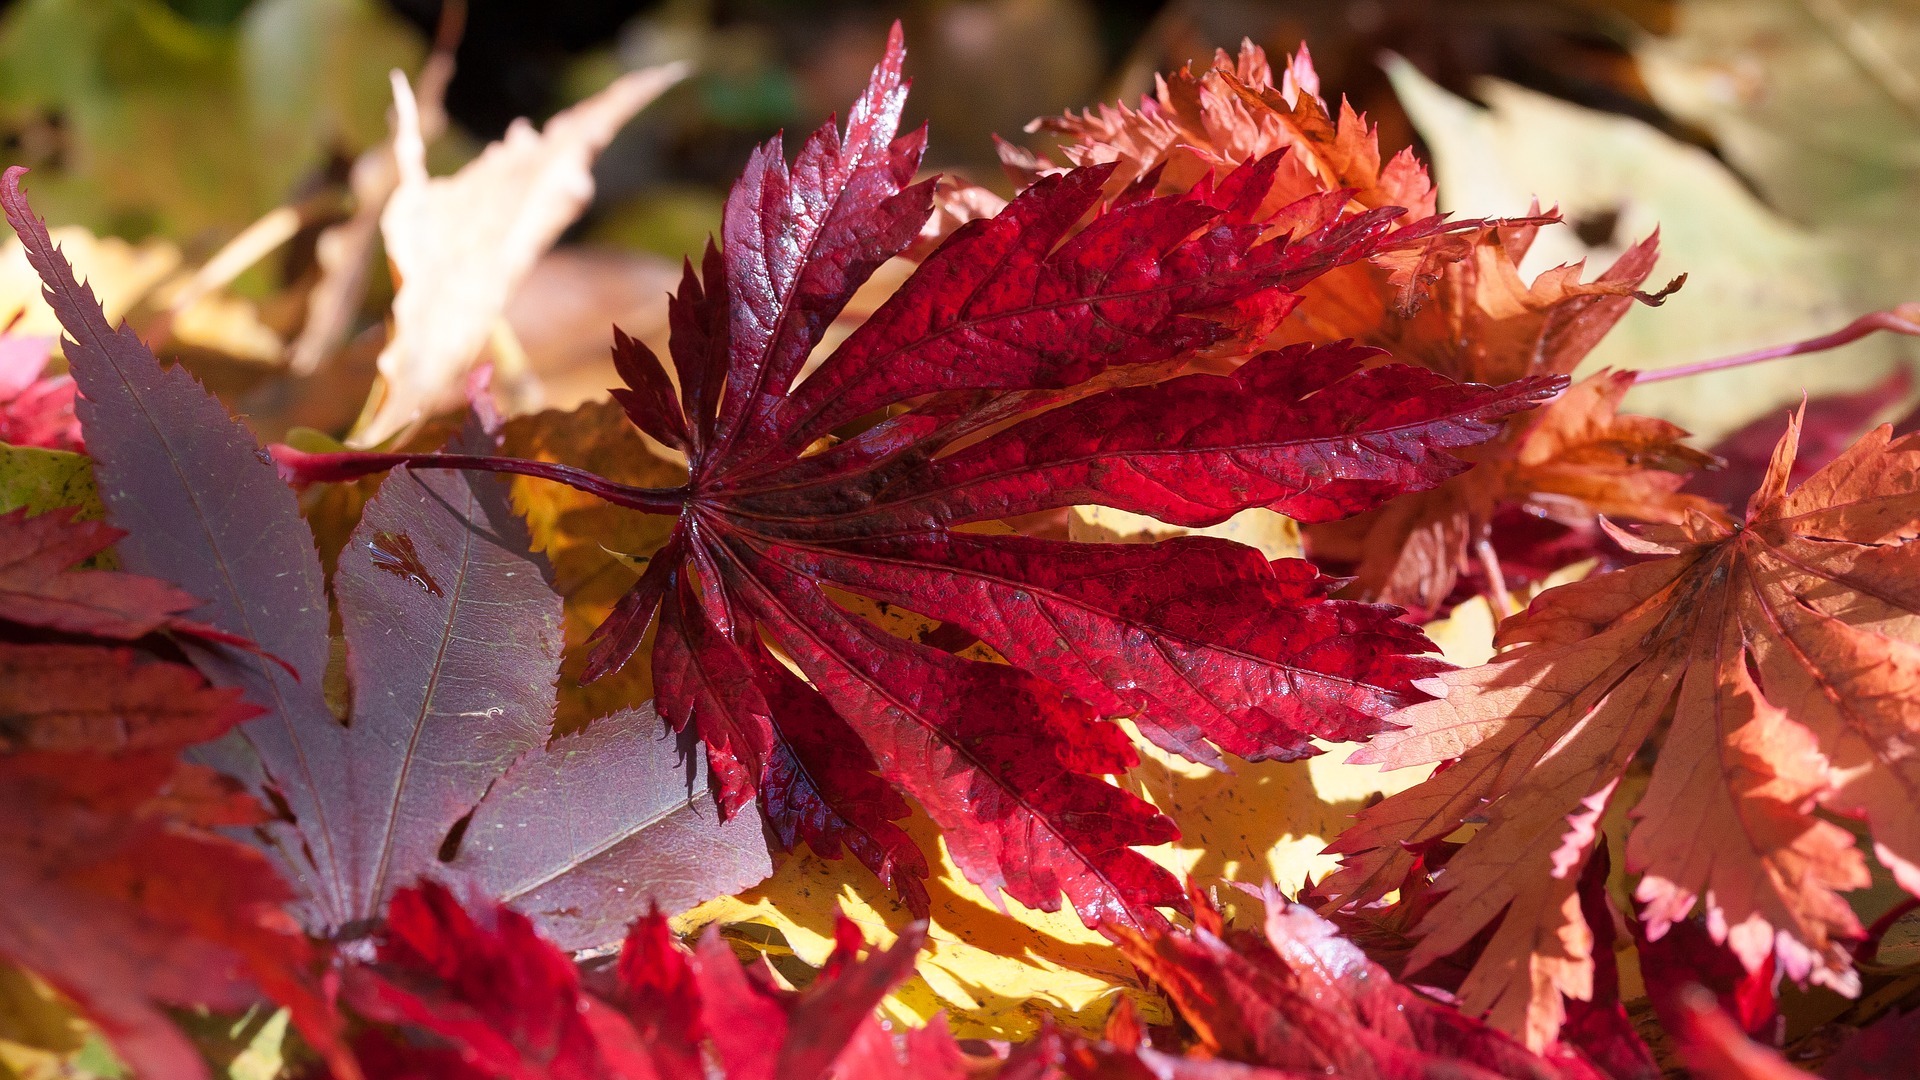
(581, 835)
(452, 634)
(453, 645)
(203, 509)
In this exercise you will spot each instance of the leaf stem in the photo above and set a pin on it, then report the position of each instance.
(1904, 319)
(1498, 595)
(301, 468)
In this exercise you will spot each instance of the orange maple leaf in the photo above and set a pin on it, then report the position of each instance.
(1775, 662)
(1575, 457)
(1198, 124)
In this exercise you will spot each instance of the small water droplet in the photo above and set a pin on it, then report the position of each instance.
(394, 553)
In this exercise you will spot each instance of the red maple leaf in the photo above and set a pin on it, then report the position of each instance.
(462, 990)
(119, 891)
(36, 409)
(468, 990)
(1024, 367)
(1300, 999)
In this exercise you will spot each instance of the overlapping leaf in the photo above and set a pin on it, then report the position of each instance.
(1302, 1000)
(452, 645)
(1454, 303)
(119, 891)
(495, 999)
(1781, 648)
(1232, 110)
(36, 409)
(1017, 371)
(472, 991)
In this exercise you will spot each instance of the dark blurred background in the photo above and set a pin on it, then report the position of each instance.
(980, 67)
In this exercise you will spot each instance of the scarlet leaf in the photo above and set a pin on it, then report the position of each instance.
(1016, 370)
(1784, 648)
(500, 1000)
(88, 697)
(36, 409)
(119, 897)
(1303, 1000)
(39, 587)
(118, 890)
(495, 999)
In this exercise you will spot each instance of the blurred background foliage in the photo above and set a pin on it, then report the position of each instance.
(189, 118)
(1776, 142)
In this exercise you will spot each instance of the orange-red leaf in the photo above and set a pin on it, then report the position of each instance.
(1776, 664)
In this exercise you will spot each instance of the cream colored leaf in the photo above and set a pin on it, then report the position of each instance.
(1817, 101)
(120, 274)
(344, 251)
(462, 244)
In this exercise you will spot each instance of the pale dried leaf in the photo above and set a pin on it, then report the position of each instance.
(462, 244)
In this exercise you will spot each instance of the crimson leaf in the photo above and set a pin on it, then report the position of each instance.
(1021, 368)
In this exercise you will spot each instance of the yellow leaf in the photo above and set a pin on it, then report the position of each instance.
(39, 1030)
(43, 479)
(1276, 536)
(995, 973)
(595, 548)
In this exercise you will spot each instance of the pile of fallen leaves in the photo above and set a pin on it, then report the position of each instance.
(967, 577)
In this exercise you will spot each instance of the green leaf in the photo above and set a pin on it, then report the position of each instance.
(1755, 278)
(138, 120)
(41, 480)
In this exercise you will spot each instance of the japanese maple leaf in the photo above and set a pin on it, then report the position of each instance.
(119, 891)
(1451, 302)
(36, 409)
(1772, 661)
(1196, 123)
(1598, 1027)
(451, 647)
(494, 999)
(1576, 457)
(1014, 372)
(1300, 999)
